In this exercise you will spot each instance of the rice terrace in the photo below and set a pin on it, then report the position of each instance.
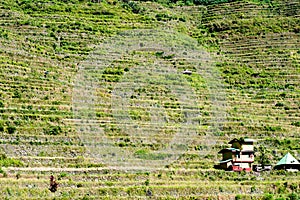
(150, 99)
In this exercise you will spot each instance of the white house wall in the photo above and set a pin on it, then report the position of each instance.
(247, 147)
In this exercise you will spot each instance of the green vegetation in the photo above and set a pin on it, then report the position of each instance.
(133, 4)
(7, 162)
(249, 70)
(146, 155)
(53, 130)
(11, 129)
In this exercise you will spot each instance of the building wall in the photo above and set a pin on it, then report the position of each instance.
(247, 147)
(243, 158)
(247, 158)
(244, 165)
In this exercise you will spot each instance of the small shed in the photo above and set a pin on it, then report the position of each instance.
(288, 162)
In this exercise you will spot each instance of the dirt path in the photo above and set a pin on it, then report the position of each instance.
(92, 169)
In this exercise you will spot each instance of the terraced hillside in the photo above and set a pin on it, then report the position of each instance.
(94, 93)
(261, 69)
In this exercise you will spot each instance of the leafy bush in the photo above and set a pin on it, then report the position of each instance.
(3, 33)
(7, 162)
(53, 130)
(268, 197)
(293, 196)
(11, 129)
(294, 186)
(1, 127)
(133, 6)
(296, 123)
(162, 17)
(16, 95)
(62, 175)
(279, 104)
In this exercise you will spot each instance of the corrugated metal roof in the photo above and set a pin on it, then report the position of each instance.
(225, 161)
(229, 149)
(288, 159)
(233, 149)
(241, 141)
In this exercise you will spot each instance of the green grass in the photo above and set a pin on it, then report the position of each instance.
(249, 70)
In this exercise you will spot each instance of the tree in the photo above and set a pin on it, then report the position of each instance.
(263, 158)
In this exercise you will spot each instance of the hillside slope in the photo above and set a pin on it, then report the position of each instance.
(94, 93)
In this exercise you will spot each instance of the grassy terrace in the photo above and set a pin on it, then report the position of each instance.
(68, 81)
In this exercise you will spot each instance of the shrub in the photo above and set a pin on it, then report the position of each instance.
(17, 95)
(133, 6)
(147, 182)
(238, 197)
(11, 129)
(7, 162)
(293, 196)
(1, 128)
(294, 186)
(253, 189)
(296, 123)
(53, 130)
(279, 104)
(2, 156)
(268, 197)
(63, 174)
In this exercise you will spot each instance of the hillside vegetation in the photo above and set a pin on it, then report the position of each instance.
(93, 93)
